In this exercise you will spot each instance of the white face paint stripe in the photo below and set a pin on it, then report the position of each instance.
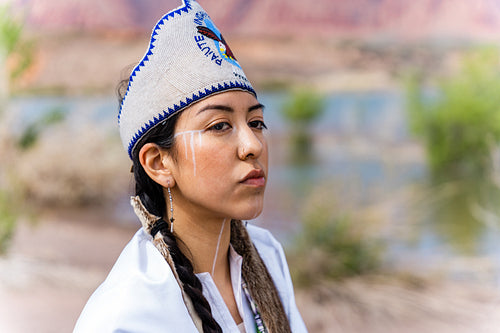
(185, 146)
(188, 132)
(191, 144)
(217, 248)
(193, 153)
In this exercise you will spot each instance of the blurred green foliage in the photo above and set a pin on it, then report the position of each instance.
(8, 217)
(331, 245)
(460, 125)
(12, 44)
(24, 58)
(14, 48)
(10, 29)
(451, 207)
(31, 134)
(303, 107)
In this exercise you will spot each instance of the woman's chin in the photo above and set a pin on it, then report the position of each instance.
(250, 214)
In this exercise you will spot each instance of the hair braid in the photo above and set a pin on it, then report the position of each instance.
(260, 282)
(190, 283)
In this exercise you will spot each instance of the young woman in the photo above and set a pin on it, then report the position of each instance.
(195, 131)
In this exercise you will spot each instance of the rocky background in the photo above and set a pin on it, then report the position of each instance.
(83, 46)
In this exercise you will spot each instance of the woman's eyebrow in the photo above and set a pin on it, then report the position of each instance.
(215, 107)
(256, 107)
(226, 108)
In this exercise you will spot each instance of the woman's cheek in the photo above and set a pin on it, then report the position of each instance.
(203, 155)
(212, 165)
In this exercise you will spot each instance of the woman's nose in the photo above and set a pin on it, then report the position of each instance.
(249, 144)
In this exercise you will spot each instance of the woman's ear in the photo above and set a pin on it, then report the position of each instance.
(155, 162)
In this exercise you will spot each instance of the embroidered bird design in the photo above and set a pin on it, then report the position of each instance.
(212, 35)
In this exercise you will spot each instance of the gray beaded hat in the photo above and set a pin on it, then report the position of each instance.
(187, 60)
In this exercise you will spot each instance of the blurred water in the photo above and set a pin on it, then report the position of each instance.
(102, 110)
(363, 152)
(371, 114)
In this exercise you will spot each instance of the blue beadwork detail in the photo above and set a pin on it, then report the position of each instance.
(194, 98)
(186, 8)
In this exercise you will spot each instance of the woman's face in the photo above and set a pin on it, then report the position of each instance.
(221, 160)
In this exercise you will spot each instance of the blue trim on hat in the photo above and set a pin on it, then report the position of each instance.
(182, 105)
(178, 11)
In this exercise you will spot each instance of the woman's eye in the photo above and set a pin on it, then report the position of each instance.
(220, 126)
(258, 124)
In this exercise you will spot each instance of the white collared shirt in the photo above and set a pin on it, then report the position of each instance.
(141, 294)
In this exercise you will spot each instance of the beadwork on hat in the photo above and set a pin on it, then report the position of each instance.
(187, 60)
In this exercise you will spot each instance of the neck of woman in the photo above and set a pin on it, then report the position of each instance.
(205, 244)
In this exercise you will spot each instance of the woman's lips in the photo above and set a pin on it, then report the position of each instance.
(255, 177)
(259, 182)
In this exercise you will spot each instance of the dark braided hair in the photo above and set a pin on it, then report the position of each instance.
(152, 197)
(191, 284)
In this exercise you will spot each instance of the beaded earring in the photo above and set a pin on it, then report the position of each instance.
(171, 210)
